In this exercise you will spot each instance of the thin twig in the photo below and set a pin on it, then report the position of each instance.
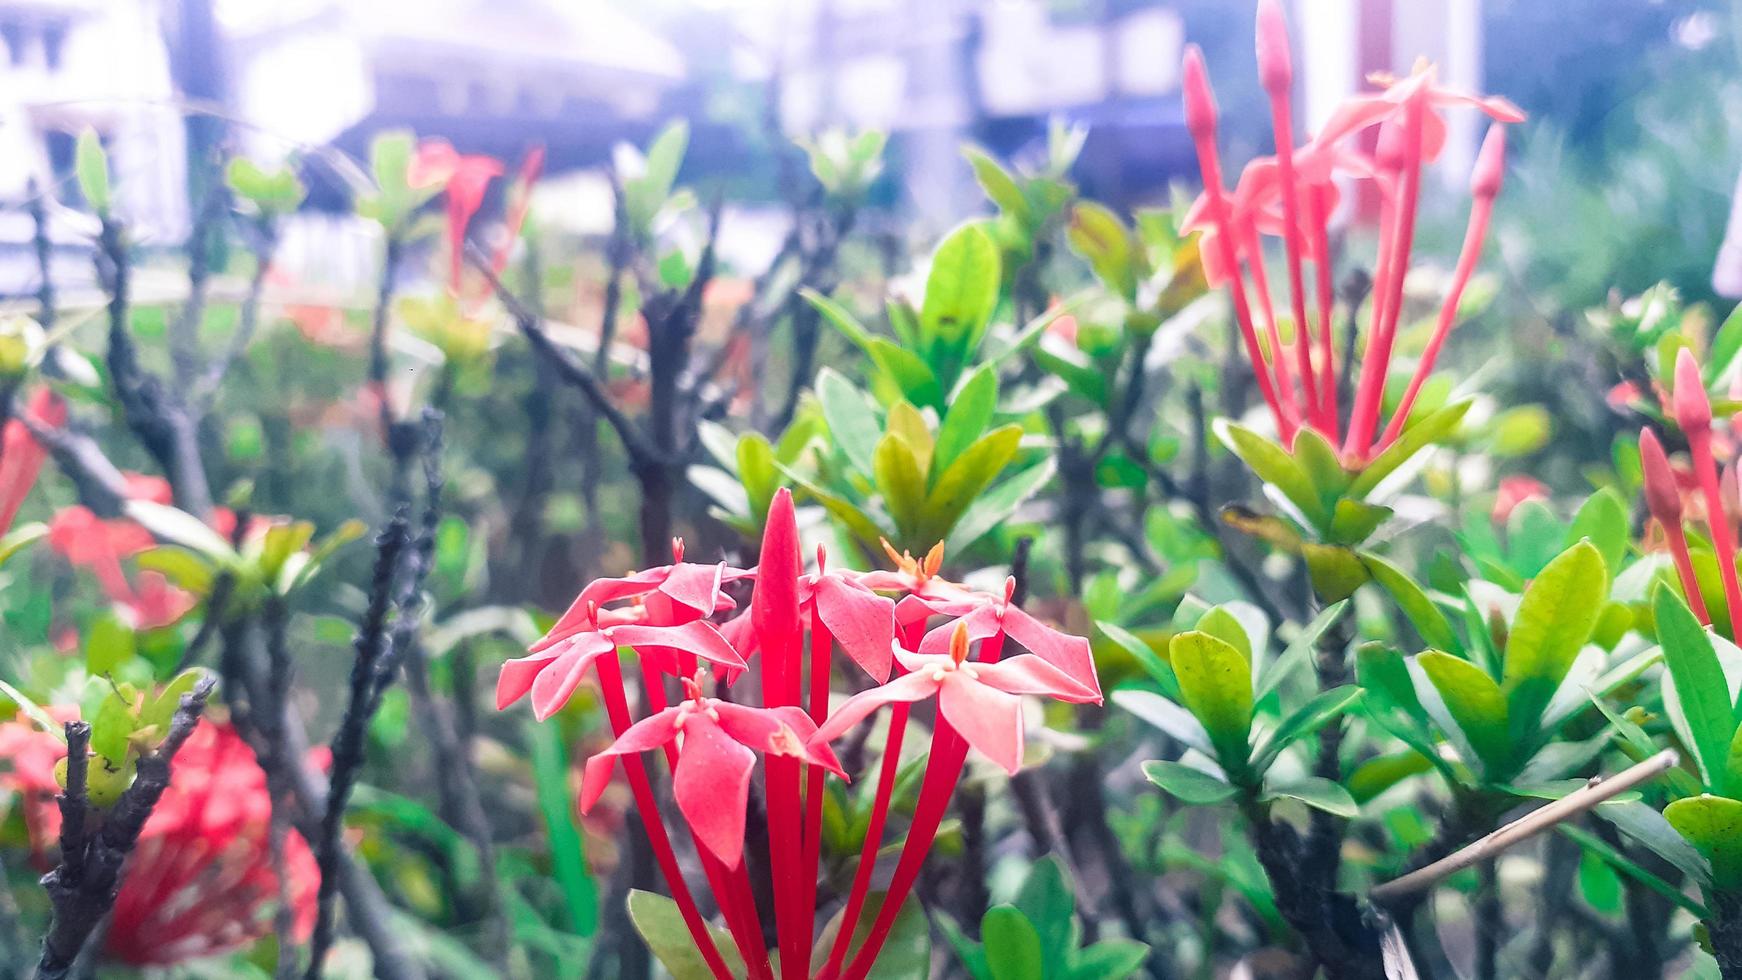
(1525, 827)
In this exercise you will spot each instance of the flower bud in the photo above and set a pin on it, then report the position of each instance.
(1490, 164)
(1662, 497)
(1200, 101)
(1693, 409)
(1275, 66)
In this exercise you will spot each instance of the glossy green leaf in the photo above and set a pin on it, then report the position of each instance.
(662, 928)
(1187, 784)
(961, 290)
(1602, 519)
(900, 480)
(1317, 792)
(906, 951)
(1153, 663)
(996, 505)
(91, 164)
(1167, 716)
(1713, 824)
(1476, 704)
(1097, 234)
(1700, 687)
(1275, 467)
(1299, 651)
(1047, 900)
(1416, 437)
(1554, 619)
(970, 412)
(1303, 721)
(1216, 684)
(1110, 959)
(852, 420)
(1413, 600)
(1012, 946)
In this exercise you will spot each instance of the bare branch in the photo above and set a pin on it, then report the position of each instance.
(1525, 827)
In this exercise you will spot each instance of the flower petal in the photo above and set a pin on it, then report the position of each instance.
(1028, 674)
(648, 733)
(700, 638)
(1068, 653)
(555, 683)
(906, 688)
(785, 730)
(712, 786)
(863, 622)
(989, 719)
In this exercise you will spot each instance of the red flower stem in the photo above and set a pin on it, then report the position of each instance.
(746, 931)
(1319, 218)
(617, 709)
(1723, 538)
(1684, 570)
(1283, 126)
(781, 685)
(1475, 233)
(942, 771)
(1261, 283)
(1209, 164)
(822, 647)
(1378, 355)
(890, 767)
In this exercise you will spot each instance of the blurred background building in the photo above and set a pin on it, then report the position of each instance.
(318, 78)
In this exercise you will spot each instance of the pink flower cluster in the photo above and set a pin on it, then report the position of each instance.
(1293, 195)
(915, 635)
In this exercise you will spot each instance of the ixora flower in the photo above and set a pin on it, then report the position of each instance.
(463, 178)
(21, 457)
(718, 742)
(1292, 196)
(99, 545)
(979, 700)
(201, 880)
(854, 614)
(28, 756)
(557, 666)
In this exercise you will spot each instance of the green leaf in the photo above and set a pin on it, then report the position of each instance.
(1413, 600)
(918, 383)
(1603, 520)
(1153, 663)
(756, 470)
(859, 523)
(1713, 824)
(1165, 715)
(550, 770)
(33, 710)
(1382, 772)
(961, 290)
(1336, 572)
(837, 315)
(91, 164)
(1275, 467)
(1317, 792)
(180, 527)
(1303, 721)
(1097, 234)
(1554, 620)
(1700, 687)
(1597, 847)
(1415, 438)
(970, 411)
(1110, 959)
(852, 420)
(1216, 684)
(1048, 902)
(108, 645)
(906, 951)
(1012, 946)
(995, 506)
(15, 540)
(278, 192)
(662, 928)
(900, 480)
(1189, 785)
(1476, 704)
(1299, 651)
(906, 421)
(1649, 827)
(1000, 187)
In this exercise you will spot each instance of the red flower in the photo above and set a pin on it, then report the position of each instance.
(859, 619)
(714, 762)
(1292, 196)
(94, 543)
(21, 457)
(464, 179)
(557, 666)
(1515, 490)
(978, 699)
(30, 756)
(201, 881)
